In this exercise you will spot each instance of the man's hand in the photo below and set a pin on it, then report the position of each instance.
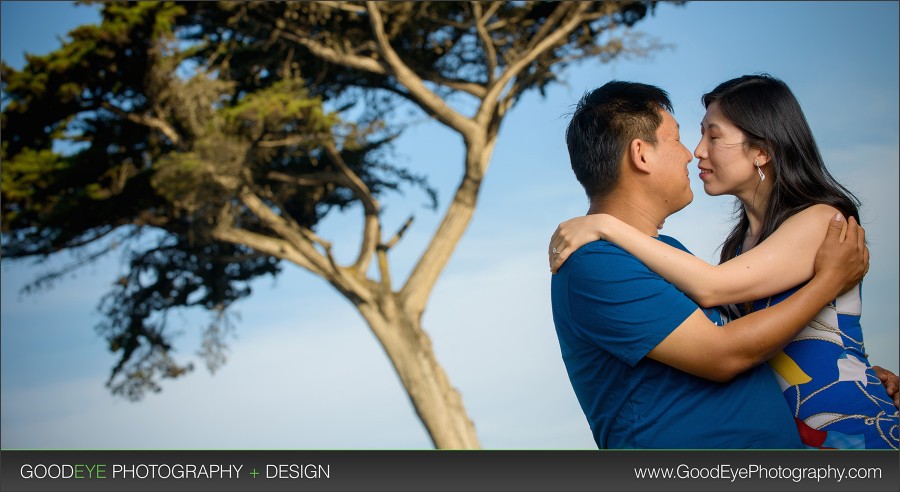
(891, 383)
(843, 257)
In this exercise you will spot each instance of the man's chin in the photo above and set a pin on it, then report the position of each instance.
(687, 202)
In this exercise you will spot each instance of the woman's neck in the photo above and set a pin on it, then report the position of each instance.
(755, 208)
(756, 212)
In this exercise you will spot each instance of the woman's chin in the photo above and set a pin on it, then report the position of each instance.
(711, 189)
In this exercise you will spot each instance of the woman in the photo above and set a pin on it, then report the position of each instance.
(757, 146)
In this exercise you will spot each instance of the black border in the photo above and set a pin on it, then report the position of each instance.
(520, 471)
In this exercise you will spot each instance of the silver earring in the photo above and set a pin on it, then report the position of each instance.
(762, 176)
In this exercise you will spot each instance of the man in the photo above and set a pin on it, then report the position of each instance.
(649, 367)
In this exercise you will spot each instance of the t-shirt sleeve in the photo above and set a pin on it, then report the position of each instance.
(620, 305)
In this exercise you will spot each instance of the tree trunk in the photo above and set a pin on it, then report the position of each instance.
(437, 403)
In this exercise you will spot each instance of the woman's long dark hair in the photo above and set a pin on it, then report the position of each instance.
(770, 117)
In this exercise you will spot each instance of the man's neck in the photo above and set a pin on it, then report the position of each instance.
(633, 212)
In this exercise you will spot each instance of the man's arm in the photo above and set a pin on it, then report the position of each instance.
(721, 353)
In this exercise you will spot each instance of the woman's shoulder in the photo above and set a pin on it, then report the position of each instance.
(816, 215)
(809, 224)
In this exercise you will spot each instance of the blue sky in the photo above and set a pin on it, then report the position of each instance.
(305, 373)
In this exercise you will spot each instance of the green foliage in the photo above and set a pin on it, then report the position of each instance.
(285, 104)
(28, 172)
(176, 273)
(114, 130)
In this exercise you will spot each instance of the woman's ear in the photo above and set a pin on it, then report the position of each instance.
(761, 156)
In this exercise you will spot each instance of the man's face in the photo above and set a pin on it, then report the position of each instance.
(671, 160)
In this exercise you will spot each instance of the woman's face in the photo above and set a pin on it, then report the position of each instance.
(726, 162)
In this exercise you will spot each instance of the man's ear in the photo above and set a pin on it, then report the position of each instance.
(639, 155)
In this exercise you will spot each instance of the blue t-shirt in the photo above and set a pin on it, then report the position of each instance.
(610, 310)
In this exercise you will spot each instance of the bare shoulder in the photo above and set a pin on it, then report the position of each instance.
(810, 223)
(815, 217)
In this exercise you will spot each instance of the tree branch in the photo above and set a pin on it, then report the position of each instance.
(286, 142)
(309, 179)
(47, 279)
(371, 65)
(478, 150)
(399, 234)
(302, 239)
(382, 251)
(495, 6)
(470, 88)
(293, 233)
(345, 6)
(146, 120)
(333, 56)
(384, 269)
(371, 227)
(490, 52)
(424, 276)
(279, 248)
(489, 103)
(558, 13)
(508, 100)
(407, 78)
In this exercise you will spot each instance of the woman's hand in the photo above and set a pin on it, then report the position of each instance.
(573, 234)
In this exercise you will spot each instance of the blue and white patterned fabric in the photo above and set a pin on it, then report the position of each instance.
(836, 398)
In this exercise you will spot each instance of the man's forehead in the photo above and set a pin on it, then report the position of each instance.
(668, 118)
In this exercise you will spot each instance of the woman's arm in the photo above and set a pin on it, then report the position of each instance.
(754, 338)
(784, 260)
